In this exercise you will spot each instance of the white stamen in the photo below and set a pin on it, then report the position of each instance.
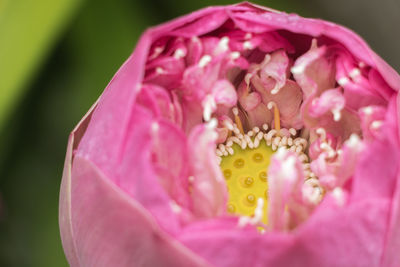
(354, 73)
(247, 45)
(160, 70)
(195, 39)
(284, 141)
(269, 136)
(243, 144)
(276, 140)
(157, 51)
(228, 125)
(247, 78)
(299, 69)
(275, 90)
(221, 147)
(367, 110)
(248, 36)
(222, 45)
(179, 53)
(175, 207)
(343, 81)
(300, 141)
(292, 131)
(212, 124)
(290, 141)
(337, 115)
(155, 127)
(265, 127)
(271, 105)
(339, 196)
(235, 111)
(303, 158)
(209, 106)
(235, 55)
(375, 125)
(235, 140)
(204, 60)
(354, 141)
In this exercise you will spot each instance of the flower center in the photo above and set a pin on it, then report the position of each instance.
(244, 161)
(245, 172)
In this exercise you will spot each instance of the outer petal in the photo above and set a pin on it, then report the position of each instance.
(96, 220)
(390, 257)
(111, 229)
(333, 236)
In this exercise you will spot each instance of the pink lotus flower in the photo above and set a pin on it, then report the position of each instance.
(149, 176)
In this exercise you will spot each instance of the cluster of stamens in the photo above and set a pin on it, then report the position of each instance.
(244, 160)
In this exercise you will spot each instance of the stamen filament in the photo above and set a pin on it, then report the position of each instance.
(237, 119)
(277, 119)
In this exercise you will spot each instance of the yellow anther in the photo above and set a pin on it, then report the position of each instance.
(266, 194)
(237, 119)
(277, 119)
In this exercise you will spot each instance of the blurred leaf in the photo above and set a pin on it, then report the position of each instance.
(28, 28)
(95, 45)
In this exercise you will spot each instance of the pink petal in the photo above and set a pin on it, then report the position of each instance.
(224, 93)
(209, 193)
(330, 100)
(285, 178)
(276, 68)
(170, 149)
(248, 100)
(313, 72)
(110, 228)
(259, 116)
(159, 102)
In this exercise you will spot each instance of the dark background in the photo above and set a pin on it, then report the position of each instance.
(56, 57)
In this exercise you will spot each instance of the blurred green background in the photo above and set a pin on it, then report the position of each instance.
(56, 57)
